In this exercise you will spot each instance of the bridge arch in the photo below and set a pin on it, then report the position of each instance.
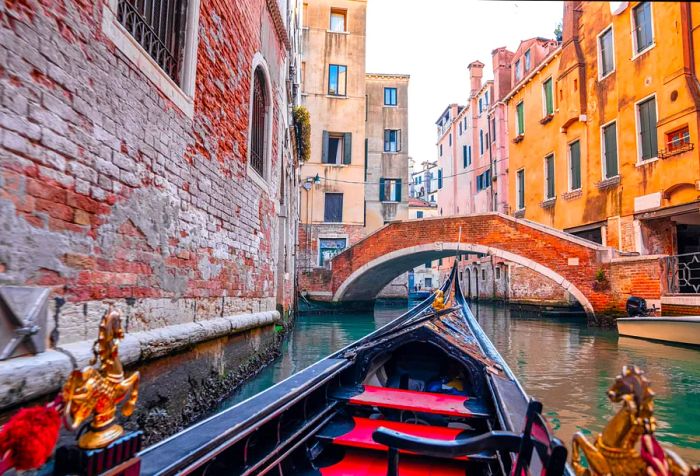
(360, 286)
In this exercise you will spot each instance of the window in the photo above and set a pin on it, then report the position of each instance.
(520, 189)
(677, 139)
(527, 60)
(643, 33)
(389, 190)
(419, 214)
(547, 96)
(517, 71)
(460, 127)
(610, 151)
(259, 123)
(520, 117)
(392, 140)
(498, 272)
(333, 211)
(483, 181)
(390, 97)
(483, 274)
(575, 165)
(338, 20)
(440, 150)
(466, 155)
(329, 247)
(481, 106)
(486, 98)
(449, 138)
(160, 31)
(337, 148)
(486, 139)
(493, 129)
(646, 114)
(606, 58)
(337, 80)
(549, 177)
(439, 178)
(481, 142)
(428, 282)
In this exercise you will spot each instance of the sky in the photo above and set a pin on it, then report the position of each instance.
(435, 40)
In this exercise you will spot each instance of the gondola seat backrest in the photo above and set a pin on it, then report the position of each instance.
(540, 453)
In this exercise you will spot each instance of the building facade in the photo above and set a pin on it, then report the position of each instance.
(356, 179)
(154, 176)
(606, 149)
(424, 182)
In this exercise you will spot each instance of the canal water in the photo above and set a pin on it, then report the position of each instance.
(562, 362)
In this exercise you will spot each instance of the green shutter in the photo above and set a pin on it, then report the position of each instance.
(610, 150)
(464, 153)
(575, 158)
(398, 190)
(550, 177)
(647, 120)
(549, 105)
(521, 118)
(439, 178)
(324, 148)
(347, 151)
(382, 198)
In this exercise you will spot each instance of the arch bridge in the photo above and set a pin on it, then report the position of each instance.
(361, 271)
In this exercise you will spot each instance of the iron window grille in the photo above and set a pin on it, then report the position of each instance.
(257, 132)
(159, 27)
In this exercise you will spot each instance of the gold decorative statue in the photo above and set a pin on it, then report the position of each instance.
(100, 387)
(615, 450)
(439, 301)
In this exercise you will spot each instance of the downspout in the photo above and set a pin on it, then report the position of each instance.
(691, 78)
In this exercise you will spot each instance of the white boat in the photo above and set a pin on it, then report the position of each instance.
(681, 329)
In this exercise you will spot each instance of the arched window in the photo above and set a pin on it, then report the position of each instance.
(258, 130)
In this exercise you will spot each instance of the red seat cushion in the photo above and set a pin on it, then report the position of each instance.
(359, 463)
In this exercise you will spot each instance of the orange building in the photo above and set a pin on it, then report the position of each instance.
(603, 131)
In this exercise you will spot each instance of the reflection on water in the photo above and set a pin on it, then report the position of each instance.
(562, 362)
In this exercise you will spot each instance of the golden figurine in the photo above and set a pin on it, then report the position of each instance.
(439, 301)
(100, 388)
(615, 450)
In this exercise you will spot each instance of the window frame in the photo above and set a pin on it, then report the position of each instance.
(603, 150)
(635, 53)
(547, 177)
(599, 38)
(518, 75)
(396, 97)
(261, 180)
(549, 79)
(569, 169)
(328, 89)
(638, 124)
(668, 138)
(183, 94)
(325, 237)
(519, 188)
(397, 133)
(342, 205)
(344, 12)
(397, 182)
(527, 60)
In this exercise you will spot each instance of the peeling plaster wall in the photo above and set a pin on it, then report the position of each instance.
(111, 193)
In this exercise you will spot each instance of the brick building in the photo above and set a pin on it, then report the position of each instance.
(146, 159)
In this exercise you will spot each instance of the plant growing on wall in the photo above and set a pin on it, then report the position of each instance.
(601, 281)
(600, 275)
(302, 129)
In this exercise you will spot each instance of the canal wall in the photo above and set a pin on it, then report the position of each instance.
(185, 368)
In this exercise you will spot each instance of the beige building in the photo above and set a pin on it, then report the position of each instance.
(356, 179)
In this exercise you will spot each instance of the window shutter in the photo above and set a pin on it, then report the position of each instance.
(386, 140)
(347, 151)
(464, 152)
(439, 178)
(398, 190)
(324, 149)
(610, 150)
(398, 140)
(521, 118)
(382, 198)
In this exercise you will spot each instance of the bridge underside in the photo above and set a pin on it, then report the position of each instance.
(369, 284)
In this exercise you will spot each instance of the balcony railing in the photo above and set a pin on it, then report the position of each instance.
(683, 273)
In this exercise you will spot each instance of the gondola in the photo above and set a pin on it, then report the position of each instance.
(427, 393)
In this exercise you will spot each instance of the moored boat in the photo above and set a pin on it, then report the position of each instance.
(680, 329)
(427, 393)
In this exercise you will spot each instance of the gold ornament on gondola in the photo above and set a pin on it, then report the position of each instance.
(615, 451)
(100, 387)
(439, 301)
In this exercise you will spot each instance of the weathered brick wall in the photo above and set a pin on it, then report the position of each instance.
(634, 276)
(528, 286)
(108, 191)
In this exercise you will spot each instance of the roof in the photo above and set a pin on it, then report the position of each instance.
(417, 202)
(547, 59)
(387, 76)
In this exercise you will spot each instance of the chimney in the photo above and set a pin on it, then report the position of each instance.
(476, 72)
(572, 13)
(501, 59)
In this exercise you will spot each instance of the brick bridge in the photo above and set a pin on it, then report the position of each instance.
(361, 271)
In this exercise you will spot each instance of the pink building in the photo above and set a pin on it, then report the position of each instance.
(498, 126)
(447, 150)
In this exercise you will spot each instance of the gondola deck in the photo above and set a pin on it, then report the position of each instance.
(429, 386)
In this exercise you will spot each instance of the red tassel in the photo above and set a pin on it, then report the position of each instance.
(29, 437)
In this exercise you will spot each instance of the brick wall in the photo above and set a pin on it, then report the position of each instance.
(110, 192)
(528, 286)
(635, 276)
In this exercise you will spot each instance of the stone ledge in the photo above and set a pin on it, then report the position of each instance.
(30, 377)
(681, 299)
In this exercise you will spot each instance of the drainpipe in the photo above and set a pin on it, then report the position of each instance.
(687, 28)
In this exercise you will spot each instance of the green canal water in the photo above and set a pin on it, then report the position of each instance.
(562, 362)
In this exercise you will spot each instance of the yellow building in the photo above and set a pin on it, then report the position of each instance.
(603, 131)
